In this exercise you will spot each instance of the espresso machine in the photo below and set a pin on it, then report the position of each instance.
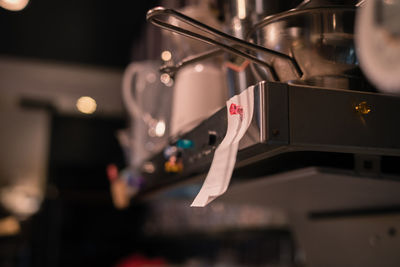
(323, 142)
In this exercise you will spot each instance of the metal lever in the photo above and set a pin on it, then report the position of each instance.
(172, 69)
(232, 46)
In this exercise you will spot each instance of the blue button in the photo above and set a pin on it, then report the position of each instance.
(169, 151)
(184, 143)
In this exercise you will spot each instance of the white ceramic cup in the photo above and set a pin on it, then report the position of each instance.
(199, 91)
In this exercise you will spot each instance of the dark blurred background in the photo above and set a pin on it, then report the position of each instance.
(87, 32)
(52, 45)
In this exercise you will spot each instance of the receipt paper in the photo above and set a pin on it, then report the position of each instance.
(240, 112)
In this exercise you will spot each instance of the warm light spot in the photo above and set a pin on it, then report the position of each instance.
(236, 25)
(334, 21)
(148, 167)
(241, 9)
(86, 104)
(166, 79)
(160, 128)
(199, 68)
(166, 55)
(14, 5)
(9, 226)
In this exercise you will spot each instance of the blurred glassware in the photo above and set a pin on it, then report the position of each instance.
(148, 101)
(377, 41)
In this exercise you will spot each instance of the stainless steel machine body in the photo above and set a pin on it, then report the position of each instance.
(293, 119)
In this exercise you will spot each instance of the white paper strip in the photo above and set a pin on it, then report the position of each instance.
(240, 113)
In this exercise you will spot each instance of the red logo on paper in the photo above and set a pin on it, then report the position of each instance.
(236, 109)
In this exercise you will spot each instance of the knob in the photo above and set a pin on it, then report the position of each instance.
(362, 108)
